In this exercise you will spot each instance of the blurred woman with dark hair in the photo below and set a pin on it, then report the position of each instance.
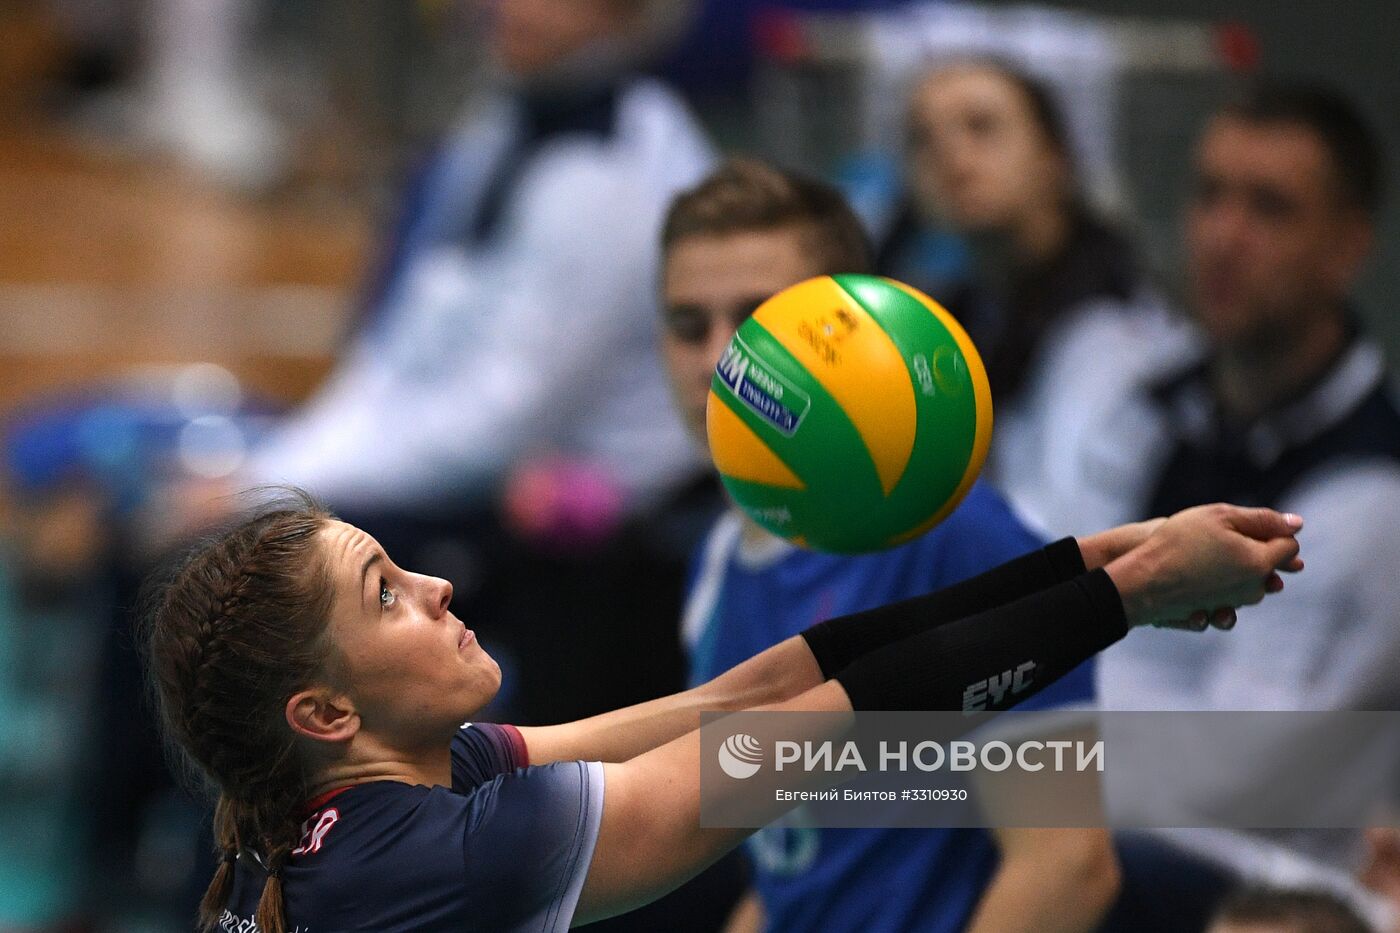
(996, 227)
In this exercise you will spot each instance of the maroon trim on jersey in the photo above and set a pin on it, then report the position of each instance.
(316, 803)
(519, 752)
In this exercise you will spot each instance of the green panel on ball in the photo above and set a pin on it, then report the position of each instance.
(944, 393)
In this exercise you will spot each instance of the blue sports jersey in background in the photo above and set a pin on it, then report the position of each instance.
(743, 600)
(506, 848)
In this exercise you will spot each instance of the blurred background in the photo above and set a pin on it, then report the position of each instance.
(202, 204)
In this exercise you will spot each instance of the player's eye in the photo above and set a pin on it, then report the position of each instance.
(688, 325)
(387, 597)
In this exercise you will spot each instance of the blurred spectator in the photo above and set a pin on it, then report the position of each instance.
(995, 227)
(742, 235)
(515, 316)
(505, 359)
(1287, 407)
(1266, 911)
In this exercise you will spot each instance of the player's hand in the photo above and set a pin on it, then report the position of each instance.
(1102, 549)
(1201, 564)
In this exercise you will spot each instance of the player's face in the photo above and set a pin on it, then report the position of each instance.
(1268, 240)
(531, 35)
(408, 664)
(977, 156)
(710, 285)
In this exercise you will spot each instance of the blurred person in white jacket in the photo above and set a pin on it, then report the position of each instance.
(516, 319)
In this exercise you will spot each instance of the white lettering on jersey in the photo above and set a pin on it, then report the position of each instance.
(313, 831)
(230, 922)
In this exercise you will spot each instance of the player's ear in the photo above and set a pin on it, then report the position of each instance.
(322, 715)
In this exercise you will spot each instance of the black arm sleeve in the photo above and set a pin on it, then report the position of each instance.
(994, 659)
(838, 642)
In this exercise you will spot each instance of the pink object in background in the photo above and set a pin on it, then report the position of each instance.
(562, 504)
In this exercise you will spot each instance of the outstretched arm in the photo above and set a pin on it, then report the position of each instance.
(803, 662)
(650, 839)
(782, 672)
(791, 667)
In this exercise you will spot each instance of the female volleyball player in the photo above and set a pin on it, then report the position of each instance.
(322, 689)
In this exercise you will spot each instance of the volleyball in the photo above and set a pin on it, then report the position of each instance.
(850, 413)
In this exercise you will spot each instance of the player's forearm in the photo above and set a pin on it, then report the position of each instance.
(782, 672)
(837, 643)
(660, 789)
(1051, 881)
(791, 667)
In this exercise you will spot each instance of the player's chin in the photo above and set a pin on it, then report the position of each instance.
(482, 688)
(489, 669)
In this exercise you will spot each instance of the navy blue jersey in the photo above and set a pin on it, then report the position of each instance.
(506, 848)
(744, 599)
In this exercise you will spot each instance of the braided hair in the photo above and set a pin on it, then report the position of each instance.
(232, 632)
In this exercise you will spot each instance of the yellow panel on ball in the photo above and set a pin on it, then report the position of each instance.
(853, 358)
(740, 454)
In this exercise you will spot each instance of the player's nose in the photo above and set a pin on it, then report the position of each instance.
(438, 594)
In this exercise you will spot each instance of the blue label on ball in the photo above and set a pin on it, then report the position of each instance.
(763, 391)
